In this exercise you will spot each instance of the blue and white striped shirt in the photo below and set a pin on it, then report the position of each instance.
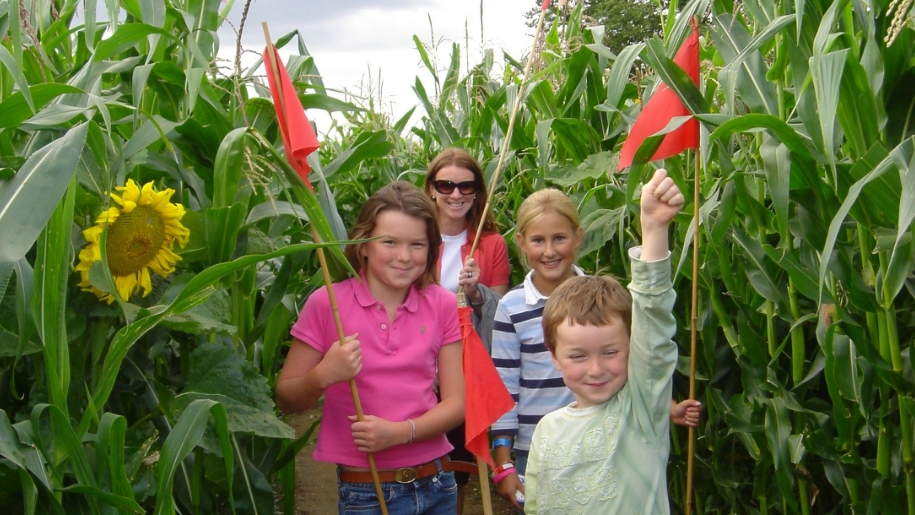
(524, 363)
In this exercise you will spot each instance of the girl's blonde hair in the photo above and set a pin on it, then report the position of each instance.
(401, 197)
(543, 202)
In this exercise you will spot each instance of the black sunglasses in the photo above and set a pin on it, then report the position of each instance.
(446, 187)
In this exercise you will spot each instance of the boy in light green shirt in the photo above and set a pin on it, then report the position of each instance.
(607, 451)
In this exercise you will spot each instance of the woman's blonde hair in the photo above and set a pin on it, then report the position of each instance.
(401, 197)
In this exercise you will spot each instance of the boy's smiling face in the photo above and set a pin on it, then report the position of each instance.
(593, 360)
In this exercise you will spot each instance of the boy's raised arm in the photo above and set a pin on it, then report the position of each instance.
(661, 201)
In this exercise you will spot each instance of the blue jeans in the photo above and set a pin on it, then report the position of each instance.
(521, 461)
(433, 495)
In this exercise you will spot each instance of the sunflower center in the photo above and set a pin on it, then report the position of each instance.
(134, 239)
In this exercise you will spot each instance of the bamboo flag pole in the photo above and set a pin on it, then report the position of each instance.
(694, 317)
(485, 494)
(329, 284)
(511, 120)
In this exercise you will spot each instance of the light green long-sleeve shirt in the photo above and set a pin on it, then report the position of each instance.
(612, 458)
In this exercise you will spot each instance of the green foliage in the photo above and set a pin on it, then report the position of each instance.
(163, 403)
(623, 22)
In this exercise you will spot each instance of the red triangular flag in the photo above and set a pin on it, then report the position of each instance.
(298, 137)
(485, 396)
(662, 107)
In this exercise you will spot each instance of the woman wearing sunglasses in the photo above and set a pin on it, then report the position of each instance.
(455, 183)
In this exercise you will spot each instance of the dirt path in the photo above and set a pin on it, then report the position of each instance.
(316, 482)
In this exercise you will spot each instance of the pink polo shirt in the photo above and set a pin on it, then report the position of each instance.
(398, 366)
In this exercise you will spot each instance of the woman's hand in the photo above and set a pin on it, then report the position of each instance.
(469, 279)
(375, 434)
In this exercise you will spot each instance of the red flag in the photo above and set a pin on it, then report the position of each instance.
(485, 396)
(662, 107)
(298, 137)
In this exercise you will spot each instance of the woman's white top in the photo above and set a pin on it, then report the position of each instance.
(451, 260)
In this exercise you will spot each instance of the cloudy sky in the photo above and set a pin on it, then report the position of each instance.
(353, 40)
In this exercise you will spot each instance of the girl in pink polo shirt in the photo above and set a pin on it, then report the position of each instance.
(402, 334)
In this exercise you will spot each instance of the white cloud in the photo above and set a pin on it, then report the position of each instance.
(353, 39)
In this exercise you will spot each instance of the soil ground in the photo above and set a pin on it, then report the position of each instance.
(316, 482)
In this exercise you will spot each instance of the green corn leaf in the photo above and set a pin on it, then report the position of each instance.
(619, 74)
(227, 170)
(14, 67)
(451, 77)
(804, 279)
(30, 197)
(65, 439)
(674, 77)
(269, 210)
(576, 138)
(110, 438)
(125, 37)
(16, 109)
(900, 110)
(182, 439)
(778, 430)
(827, 71)
(901, 154)
(271, 305)
(760, 273)
(194, 292)
(650, 144)
(860, 119)
(424, 56)
(752, 48)
(10, 450)
(291, 449)
(327, 103)
(367, 145)
(115, 501)
(154, 129)
(777, 161)
(24, 344)
(252, 489)
(749, 79)
(139, 82)
(327, 202)
(49, 299)
(902, 258)
(752, 122)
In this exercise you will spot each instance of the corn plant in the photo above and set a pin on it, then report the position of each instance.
(805, 282)
(126, 390)
(161, 402)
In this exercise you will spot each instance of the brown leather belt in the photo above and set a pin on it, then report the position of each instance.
(407, 474)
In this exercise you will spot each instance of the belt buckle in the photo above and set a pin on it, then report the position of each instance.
(405, 475)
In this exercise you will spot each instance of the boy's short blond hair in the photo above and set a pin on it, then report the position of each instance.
(586, 300)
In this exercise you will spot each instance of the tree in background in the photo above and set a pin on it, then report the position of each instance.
(625, 21)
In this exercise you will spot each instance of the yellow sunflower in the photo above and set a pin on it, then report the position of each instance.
(141, 234)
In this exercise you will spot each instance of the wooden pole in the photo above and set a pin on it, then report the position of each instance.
(694, 317)
(327, 282)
